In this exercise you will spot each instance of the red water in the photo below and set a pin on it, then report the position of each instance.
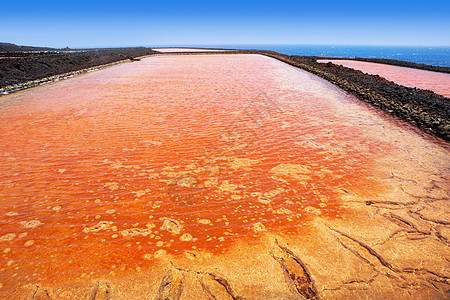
(107, 170)
(427, 80)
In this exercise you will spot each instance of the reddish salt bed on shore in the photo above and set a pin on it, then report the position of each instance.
(185, 50)
(427, 80)
(109, 170)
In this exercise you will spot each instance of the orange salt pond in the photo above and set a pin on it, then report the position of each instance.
(104, 174)
(186, 50)
(427, 80)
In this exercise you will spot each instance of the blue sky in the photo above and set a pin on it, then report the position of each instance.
(81, 23)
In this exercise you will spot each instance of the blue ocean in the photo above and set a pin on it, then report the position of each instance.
(436, 56)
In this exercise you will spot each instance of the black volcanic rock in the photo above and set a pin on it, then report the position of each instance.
(9, 47)
(20, 67)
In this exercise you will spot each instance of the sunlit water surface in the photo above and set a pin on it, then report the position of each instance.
(104, 172)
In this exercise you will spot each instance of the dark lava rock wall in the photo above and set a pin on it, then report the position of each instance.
(19, 67)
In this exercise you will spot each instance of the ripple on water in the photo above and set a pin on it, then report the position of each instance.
(171, 155)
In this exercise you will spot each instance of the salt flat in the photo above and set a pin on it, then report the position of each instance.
(186, 50)
(236, 176)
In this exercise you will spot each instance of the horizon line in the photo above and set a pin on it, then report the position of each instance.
(212, 45)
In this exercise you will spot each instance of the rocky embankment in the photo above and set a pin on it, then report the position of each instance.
(422, 108)
(394, 62)
(27, 67)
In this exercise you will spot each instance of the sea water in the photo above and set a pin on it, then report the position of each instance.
(436, 56)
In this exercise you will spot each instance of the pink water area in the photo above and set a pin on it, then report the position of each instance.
(427, 80)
